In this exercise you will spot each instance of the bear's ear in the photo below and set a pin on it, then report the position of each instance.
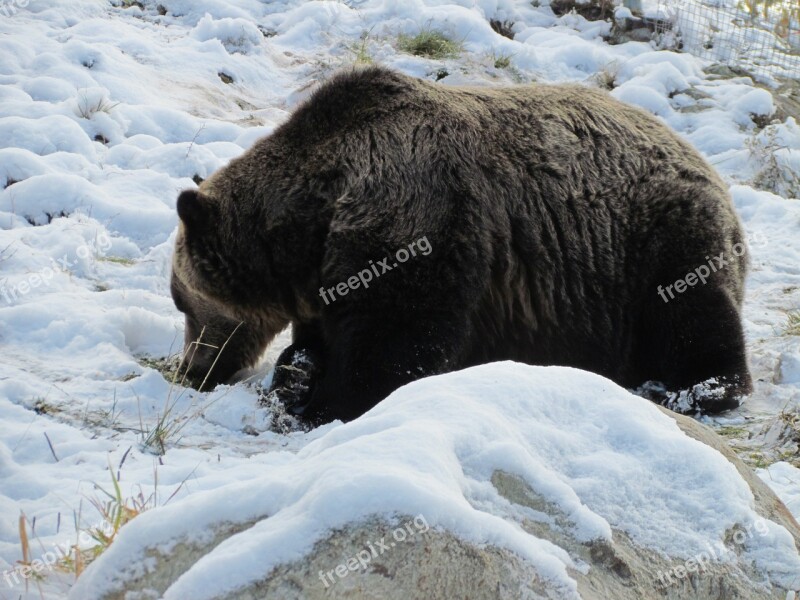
(191, 209)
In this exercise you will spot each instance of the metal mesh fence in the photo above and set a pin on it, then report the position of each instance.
(759, 36)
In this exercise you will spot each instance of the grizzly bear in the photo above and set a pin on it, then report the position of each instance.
(563, 228)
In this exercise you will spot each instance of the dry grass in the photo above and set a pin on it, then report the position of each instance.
(171, 422)
(115, 511)
(26, 564)
(606, 78)
(87, 109)
(168, 367)
(791, 421)
(775, 174)
(118, 260)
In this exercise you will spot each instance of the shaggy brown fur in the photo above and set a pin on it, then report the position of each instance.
(554, 214)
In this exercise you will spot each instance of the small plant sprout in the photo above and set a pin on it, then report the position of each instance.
(360, 50)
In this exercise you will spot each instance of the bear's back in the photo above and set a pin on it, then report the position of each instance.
(538, 127)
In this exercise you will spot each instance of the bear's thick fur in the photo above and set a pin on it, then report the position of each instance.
(560, 222)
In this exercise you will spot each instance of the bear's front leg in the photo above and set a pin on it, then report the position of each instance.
(298, 367)
(368, 357)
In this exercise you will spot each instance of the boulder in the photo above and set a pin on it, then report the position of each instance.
(500, 481)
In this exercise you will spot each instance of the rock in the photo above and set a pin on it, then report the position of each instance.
(630, 28)
(591, 11)
(438, 565)
(539, 527)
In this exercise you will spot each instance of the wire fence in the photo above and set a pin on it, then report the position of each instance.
(759, 36)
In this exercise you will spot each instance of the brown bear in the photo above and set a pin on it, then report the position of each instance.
(563, 228)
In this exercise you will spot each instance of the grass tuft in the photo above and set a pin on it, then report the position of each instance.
(793, 324)
(430, 43)
(119, 260)
(115, 512)
(88, 109)
(776, 174)
(606, 78)
(501, 60)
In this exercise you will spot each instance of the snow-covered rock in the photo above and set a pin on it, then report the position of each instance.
(500, 481)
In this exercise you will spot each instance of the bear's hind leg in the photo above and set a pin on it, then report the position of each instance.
(691, 351)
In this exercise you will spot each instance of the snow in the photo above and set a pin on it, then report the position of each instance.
(783, 478)
(107, 113)
(236, 35)
(431, 449)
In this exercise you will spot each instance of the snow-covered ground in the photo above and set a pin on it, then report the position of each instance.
(107, 112)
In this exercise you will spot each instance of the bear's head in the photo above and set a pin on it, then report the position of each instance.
(221, 281)
(251, 244)
(213, 341)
